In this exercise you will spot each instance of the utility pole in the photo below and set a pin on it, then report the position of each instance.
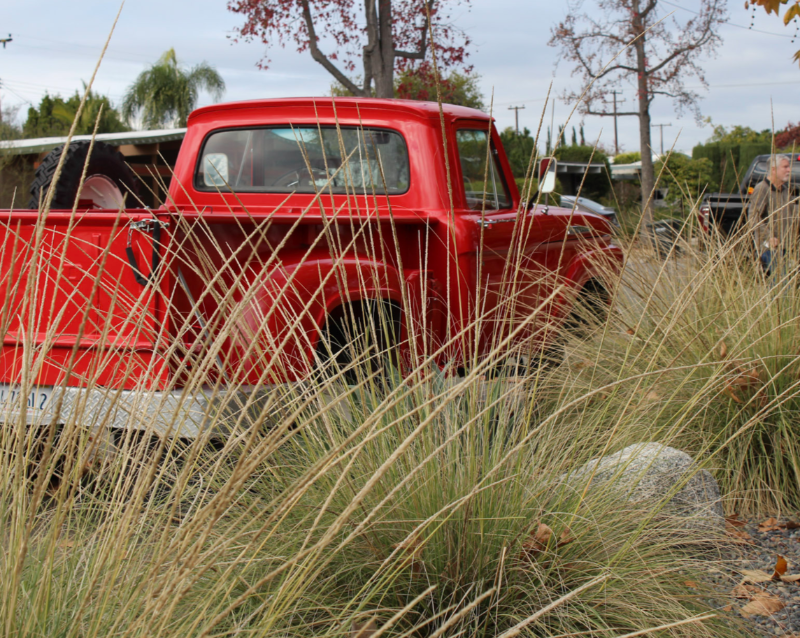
(516, 110)
(5, 41)
(661, 126)
(616, 137)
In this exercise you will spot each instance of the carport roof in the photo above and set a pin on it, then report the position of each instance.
(40, 144)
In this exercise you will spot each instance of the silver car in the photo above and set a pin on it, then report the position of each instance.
(589, 206)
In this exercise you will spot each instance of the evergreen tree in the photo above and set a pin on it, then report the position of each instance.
(54, 116)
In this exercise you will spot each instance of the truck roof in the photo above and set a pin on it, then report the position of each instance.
(429, 109)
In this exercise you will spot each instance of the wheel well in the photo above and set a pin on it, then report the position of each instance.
(357, 319)
(596, 299)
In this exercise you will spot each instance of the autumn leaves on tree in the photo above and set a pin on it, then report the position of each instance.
(387, 36)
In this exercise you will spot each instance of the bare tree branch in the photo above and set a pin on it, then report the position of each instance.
(321, 58)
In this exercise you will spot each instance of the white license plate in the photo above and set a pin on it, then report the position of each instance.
(34, 402)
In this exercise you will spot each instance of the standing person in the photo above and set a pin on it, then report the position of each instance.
(772, 216)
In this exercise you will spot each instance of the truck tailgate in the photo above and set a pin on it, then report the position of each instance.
(72, 310)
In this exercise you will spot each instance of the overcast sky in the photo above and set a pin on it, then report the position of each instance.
(56, 44)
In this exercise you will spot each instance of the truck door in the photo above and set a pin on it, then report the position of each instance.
(506, 284)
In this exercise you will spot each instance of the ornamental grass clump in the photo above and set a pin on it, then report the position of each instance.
(360, 500)
(701, 352)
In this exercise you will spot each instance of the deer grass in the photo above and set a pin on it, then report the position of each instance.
(359, 501)
(701, 352)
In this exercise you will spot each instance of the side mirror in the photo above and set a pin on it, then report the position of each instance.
(547, 175)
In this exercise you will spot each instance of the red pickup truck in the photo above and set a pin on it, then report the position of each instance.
(288, 222)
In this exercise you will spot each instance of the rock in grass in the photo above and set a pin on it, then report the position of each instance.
(656, 474)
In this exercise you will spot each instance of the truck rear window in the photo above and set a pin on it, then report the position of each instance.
(304, 159)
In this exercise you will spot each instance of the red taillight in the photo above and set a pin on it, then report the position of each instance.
(704, 216)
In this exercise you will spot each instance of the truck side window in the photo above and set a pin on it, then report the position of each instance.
(484, 188)
(304, 159)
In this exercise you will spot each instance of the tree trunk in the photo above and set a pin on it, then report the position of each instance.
(648, 173)
(379, 52)
(383, 63)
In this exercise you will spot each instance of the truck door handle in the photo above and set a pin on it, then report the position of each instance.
(152, 226)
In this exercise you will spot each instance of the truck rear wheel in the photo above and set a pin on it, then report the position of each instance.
(108, 178)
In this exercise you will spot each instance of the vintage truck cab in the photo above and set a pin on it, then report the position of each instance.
(288, 223)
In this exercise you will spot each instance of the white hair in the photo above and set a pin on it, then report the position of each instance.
(775, 160)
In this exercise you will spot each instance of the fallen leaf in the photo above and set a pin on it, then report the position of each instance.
(538, 540)
(691, 583)
(729, 391)
(740, 534)
(747, 592)
(565, 537)
(791, 578)
(723, 350)
(769, 525)
(630, 331)
(763, 605)
(727, 608)
(780, 568)
(734, 520)
(543, 534)
(363, 629)
(755, 576)
(791, 525)
(747, 379)
(412, 547)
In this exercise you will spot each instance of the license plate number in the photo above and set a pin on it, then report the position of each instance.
(33, 402)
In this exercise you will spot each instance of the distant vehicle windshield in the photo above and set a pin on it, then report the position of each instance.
(304, 159)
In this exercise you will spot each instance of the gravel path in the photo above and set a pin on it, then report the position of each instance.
(770, 600)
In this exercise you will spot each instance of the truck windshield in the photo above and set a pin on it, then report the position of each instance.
(304, 160)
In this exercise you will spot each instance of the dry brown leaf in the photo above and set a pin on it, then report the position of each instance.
(691, 583)
(791, 578)
(763, 605)
(791, 525)
(755, 576)
(740, 534)
(538, 540)
(363, 629)
(565, 537)
(747, 379)
(412, 547)
(723, 350)
(729, 391)
(734, 521)
(746, 591)
(727, 608)
(630, 331)
(769, 525)
(780, 567)
(543, 534)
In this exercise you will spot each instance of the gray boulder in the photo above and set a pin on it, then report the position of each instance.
(655, 473)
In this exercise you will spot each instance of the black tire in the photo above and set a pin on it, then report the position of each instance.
(105, 160)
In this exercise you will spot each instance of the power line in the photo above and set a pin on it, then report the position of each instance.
(699, 86)
(731, 24)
